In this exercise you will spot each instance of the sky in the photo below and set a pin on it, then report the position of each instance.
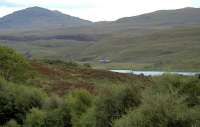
(98, 10)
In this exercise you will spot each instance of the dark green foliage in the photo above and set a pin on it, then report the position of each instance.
(61, 114)
(56, 117)
(53, 102)
(88, 119)
(185, 86)
(78, 101)
(17, 100)
(12, 123)
(13, 67)
(35, 119)
(69, 64)
(116, 102)
(163, 110)
(165, 101)
(64, 64)
(166, 104)
(171, 101)
(87, 65)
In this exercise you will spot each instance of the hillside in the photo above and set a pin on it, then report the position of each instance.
(179, 17)
(65, 94)
(36, 17)
(162, 40)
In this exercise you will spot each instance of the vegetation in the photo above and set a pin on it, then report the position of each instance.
(13, 67)
(62, 95)
(174, 49)
(161, 40)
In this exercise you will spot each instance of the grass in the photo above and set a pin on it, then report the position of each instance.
(175, 49)
(60, 94)
(60, 79)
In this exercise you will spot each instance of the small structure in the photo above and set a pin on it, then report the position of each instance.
(104, 60)
(28, 55)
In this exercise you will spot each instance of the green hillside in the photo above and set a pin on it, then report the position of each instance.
(163, 40)
(176, 48)
(52, 93)
(168, 49)
(37, 17)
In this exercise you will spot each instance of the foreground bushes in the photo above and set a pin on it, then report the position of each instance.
(170, 101)
(17, 100)
(166, 110)
(113, 104)
(13, 66)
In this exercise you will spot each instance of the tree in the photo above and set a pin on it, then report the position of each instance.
(13, 66)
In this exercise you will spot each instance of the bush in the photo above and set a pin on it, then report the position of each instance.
(12, 123)
(13, 67)
(17, 100)
(161, 111)
(87, 65)
(55, 118)
(58, 115)
(78, 101)
(36, 118)
(53, 102)
(164, 105)
(88, 118)
(116, 103)
(69, 64)
(185, 86)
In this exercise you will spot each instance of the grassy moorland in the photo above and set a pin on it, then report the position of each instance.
(175, 49)
(53, 93)
(161, 40)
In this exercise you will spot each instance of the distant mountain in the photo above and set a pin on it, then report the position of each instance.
(37, 17)
(166, 39)
(185, 16)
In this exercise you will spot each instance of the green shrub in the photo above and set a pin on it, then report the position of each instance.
(54, 118)
(69, 64)
(78, 101)
(64, 112)
(164, 105)
(36, 118)
(113, 104)
(53, 102)
(17, 100)
(12, 123)
(13, 67)
(185, 86)
(88, 118)
(161, 111)
(87, 65)
(58, 117)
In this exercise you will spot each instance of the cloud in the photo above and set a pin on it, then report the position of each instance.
(7, 10)
(196, 3)
(101, 9)
(4, 3)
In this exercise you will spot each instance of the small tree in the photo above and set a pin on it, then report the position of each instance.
(13, 66)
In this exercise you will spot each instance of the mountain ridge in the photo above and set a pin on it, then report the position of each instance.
(183, 16)
(165, 39)
(40, 17)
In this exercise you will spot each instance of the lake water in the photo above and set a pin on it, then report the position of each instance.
(155, 73)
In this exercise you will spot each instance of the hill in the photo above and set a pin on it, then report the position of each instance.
(178, 17)
(36, 17)
(162, 40)
(66, 94)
